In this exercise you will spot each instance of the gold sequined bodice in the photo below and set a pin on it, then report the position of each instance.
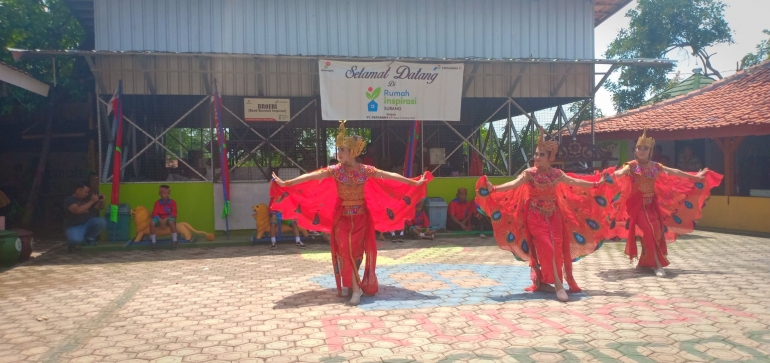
(644, 179)
(350, 186)
(543, 192)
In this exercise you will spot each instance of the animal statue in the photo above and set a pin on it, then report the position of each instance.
(262, 216)
(142, 219)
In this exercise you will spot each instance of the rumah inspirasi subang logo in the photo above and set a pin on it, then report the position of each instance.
(372, 94)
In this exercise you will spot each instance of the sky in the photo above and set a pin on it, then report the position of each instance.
(746, 18)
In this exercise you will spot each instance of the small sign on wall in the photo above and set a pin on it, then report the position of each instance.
(437, 156)
(266, 109)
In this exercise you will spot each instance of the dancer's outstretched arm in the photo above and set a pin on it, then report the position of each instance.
(623, 171)
(513, 184)
(566, 179)
(399, 178)
(316, 175)
(681, 174)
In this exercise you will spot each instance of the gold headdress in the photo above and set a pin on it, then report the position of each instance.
(646, 141)
(354, 143)
(551, 146)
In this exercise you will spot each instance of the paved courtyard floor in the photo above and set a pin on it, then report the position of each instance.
(452, 300)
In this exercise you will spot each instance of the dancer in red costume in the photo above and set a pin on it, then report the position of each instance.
(548, 217)
(350, 201)
(657, 203)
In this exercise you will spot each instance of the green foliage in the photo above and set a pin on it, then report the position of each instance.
(40, 24)
(182, 140)
(762, 54)
(656, 28)
(586, 114)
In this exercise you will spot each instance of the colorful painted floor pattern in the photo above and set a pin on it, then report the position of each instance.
(459, 300)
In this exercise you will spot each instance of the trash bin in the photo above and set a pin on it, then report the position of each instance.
(10, 248)
(27, 240)
(436, 209)
(118, 232)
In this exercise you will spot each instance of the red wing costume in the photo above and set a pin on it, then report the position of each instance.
(350, 205)
(545, 221)
(657, 207)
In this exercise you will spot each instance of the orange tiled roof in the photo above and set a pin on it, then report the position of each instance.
(734, 106)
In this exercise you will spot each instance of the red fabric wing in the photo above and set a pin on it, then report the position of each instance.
(586, 213)
(311, 204)
(391, 203)
(680, 203)
(508, 212)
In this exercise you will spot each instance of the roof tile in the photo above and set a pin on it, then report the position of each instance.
(743, 98)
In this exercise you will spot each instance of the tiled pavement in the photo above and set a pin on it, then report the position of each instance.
(450, 301)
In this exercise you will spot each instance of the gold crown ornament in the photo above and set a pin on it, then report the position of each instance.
(354, 143)
(646, 141)
(551, 146)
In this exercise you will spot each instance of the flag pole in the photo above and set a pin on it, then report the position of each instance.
(225, 174)
(116, 104)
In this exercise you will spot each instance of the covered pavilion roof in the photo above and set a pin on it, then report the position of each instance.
(738, 105)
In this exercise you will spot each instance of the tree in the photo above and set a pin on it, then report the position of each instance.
(656, 28)
(762, 54)
(41, 24)
(586, 114)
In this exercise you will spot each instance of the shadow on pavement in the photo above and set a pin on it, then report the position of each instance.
(329, 297)
(634, 273)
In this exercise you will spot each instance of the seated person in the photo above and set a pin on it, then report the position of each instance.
(164, 213)
(393, 236)
(274, 225)
(419, 226)
(81, 216)
(462, 214)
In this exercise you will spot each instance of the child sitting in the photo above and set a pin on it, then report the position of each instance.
(164, 213)
(274, 225)
(420, 225)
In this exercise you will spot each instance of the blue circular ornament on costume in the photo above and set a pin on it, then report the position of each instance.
(391, 215)
(688, 204)
(592, 224)
(608, 179)
(599, 245)
(699, 185)
(483, 192)
(601, 201)
(525, 246)
(316, 220)
(616, 197)
(613, 224)
(407, 200)
(496, 215)
(510, 237)
(579, 238)
(677, 219)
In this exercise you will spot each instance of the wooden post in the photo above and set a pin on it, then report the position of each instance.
(34, 192)
(729, 145)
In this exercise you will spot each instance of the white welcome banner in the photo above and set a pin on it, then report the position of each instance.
(390, 90)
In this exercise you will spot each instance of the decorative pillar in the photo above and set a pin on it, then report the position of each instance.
(729, 145)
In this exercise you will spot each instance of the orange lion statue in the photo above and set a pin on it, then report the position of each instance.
(262, 216)
(142, 218)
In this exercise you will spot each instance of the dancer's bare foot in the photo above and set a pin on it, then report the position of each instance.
(356, 298)
(562, 295)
